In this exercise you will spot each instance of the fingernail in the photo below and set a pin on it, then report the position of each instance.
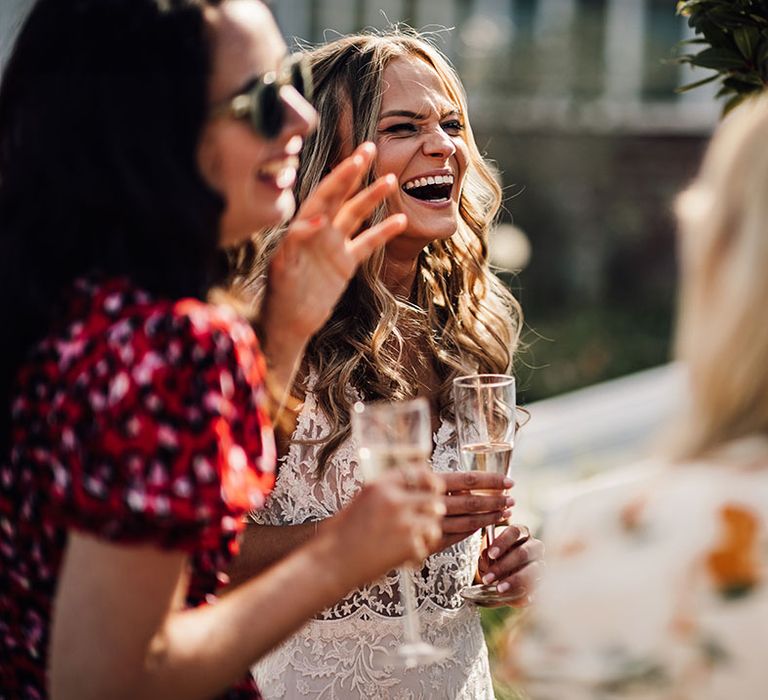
(494, 552)
(506, 513)
(510, 501)
(357, 159)
(368, 147)
(390, 179)
(508, 483)
(489, 578)
(503, 587)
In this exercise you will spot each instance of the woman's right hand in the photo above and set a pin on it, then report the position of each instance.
(474, 500)
(395, 520)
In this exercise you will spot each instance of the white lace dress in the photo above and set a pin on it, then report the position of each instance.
(334, 656)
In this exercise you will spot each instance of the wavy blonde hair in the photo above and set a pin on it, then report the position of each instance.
(468, 318)
(722, 331)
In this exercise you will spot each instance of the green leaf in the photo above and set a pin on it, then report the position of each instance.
(740, 86)
(747, 39)
(713, 33)
(723, 91)
(749, 78)
(717, 59)
(698, 83)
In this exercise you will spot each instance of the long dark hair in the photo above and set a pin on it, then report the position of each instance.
(101, 109)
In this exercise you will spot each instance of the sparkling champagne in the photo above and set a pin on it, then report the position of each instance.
(374, 461)
(487, 457)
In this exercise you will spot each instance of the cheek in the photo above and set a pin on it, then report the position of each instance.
(209, 161)
(391, 157)
(462, 157)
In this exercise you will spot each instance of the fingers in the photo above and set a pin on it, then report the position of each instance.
(468, 524)
(376, 236)
(304, 229)
(418, 479)
(522, 583)
(426, 539)
(511, 537)
(468, 481)
(336, 187)
(517, 567)
(473, 503)
(353, 212)
(423, 489)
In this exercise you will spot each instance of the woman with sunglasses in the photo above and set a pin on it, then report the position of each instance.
(139, 141)
(420, 313)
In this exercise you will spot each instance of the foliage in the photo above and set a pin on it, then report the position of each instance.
(734, 34)
(574, 347)
(495, 624)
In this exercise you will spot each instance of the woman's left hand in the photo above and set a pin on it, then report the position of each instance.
(513, 562)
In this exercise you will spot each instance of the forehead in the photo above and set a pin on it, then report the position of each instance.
(245, 43)
(410, 83)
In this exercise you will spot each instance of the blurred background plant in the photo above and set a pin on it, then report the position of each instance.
(732, 38)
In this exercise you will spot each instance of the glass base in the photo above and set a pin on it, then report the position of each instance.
(487, 596)
(411, 655)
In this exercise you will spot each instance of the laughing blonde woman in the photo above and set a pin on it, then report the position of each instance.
(422, 313)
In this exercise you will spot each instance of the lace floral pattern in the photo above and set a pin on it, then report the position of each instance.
(334, 657)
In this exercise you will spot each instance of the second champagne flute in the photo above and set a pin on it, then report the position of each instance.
(486, 415)
(393, 435)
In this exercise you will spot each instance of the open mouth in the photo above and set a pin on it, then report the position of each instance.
(282, 173)
(430, 189)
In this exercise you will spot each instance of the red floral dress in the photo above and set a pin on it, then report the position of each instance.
(138, 420)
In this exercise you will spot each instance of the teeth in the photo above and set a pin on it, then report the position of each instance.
(424, 181)
(274, 168)
(286, 177)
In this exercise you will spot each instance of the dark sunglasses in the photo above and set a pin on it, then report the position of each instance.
(260, 104)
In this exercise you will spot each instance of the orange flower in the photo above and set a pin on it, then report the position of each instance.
(734, 564)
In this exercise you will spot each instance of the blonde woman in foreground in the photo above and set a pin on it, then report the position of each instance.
(656, 580)
(422, 313)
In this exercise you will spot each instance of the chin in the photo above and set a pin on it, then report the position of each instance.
(435, 233)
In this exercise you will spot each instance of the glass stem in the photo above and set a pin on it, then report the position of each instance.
(410, 619)
(490, 534)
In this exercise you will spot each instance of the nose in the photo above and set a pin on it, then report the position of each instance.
(300, 116)
(439, 144)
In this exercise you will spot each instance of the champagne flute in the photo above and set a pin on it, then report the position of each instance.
(393, 435)
(486, 415)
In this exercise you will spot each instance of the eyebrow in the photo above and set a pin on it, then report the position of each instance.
(415, 115)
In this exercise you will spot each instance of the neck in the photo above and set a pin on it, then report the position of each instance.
(399, 274)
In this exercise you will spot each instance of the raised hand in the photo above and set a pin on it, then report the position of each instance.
(319, 255)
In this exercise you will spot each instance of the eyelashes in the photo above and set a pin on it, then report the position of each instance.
(452, 127)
